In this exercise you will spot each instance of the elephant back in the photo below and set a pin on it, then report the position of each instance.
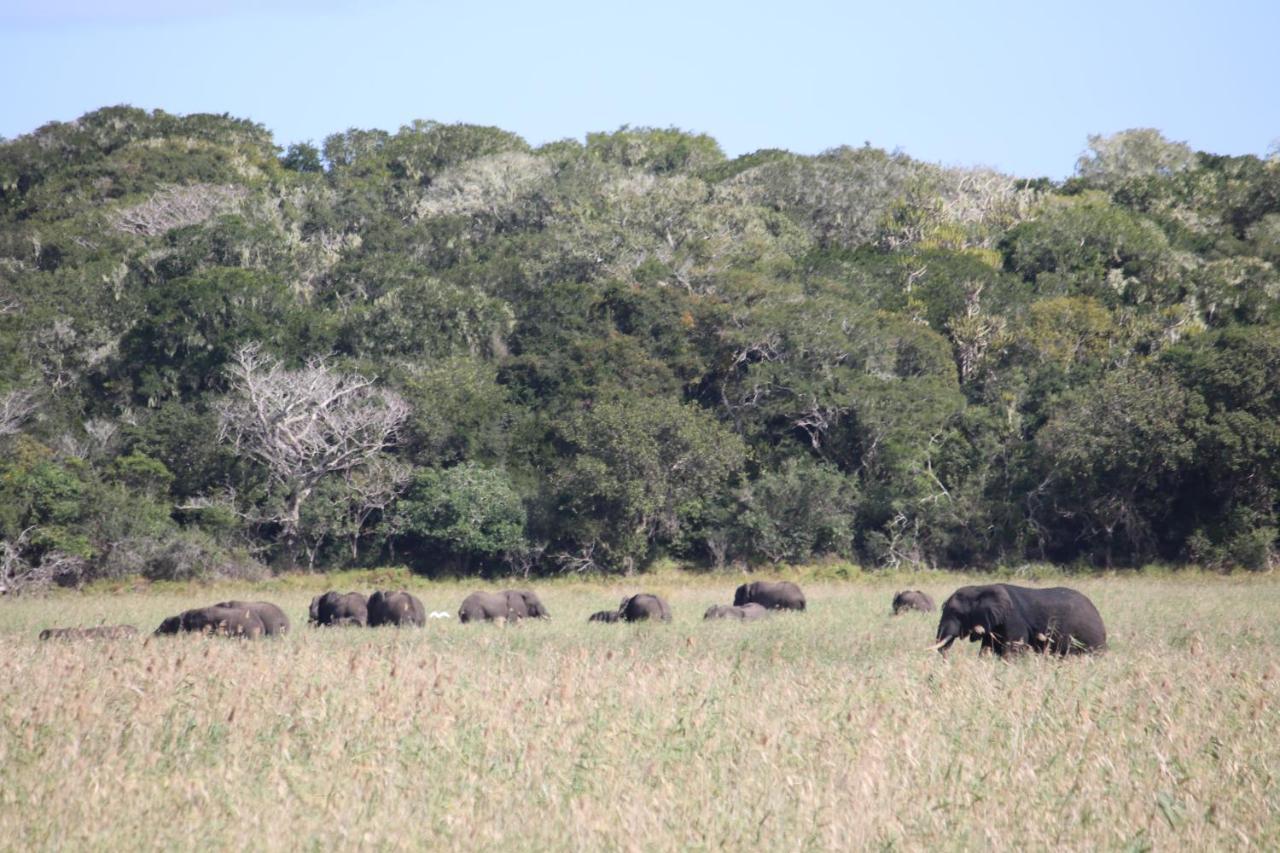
(644, 607)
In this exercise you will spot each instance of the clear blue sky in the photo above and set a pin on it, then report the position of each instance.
(1015, 85)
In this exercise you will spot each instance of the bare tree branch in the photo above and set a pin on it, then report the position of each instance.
(304, 425)
(16, 407)
(177, 207)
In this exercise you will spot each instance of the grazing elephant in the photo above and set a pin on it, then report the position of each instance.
(745, 613)
(775, 595)
(604, 616)
(100, 632)
(274, 622)
(396, 608)
(227, 621)
(511, 605)
(1009, 619)
(525, 604)
(912, 599)
(339, 608)
(638, 608)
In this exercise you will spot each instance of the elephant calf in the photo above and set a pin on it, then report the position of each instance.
(775, 595)
(510, 605)
(337, 608)
(274, 622)
(603, 616)
(100, 632)
(745, 613)
(396, 608)
(642, 607)
(226, 621)
(912, 599)
(1009, 619)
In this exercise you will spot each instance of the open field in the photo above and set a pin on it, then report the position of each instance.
(832, 729)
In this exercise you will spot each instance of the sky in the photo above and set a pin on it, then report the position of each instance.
(1017, 86)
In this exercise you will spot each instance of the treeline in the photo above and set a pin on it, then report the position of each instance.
(444, 347)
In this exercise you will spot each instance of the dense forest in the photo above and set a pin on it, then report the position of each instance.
(446, 348)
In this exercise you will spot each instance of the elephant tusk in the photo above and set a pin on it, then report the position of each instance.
(979, 630)
(1042, 638)
(944, 641)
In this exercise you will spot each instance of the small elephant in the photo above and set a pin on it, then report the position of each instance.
(100, 632)
(274, 622)
(913, 599)
(603, 616)
(339, 608)
(396, 608)
(226, 621)
(1009, 619)
(775, 595)
(511, 605)
(745, 613)
(641, 607)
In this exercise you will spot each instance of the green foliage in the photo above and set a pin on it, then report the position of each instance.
(302, 157)
(636, 471)
(797, 511)
(192, 327)
(467, 516)
(656, 150)
(664, 353)
(1085, 246)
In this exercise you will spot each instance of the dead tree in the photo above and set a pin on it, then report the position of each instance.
(304, 425)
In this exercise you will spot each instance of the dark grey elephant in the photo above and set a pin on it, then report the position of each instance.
(339, 608)
(603, 616)
(525, 604)
(98, 632)
(745, 613)
(225, 621)
(510, 605)
(274, 622)
(642, 607)
(775, 595)
(913, 599)
(1009, 619)
(396, 608)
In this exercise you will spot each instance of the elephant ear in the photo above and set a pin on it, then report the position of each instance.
(994, 606)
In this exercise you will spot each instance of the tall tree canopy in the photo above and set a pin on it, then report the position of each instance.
(443, 345)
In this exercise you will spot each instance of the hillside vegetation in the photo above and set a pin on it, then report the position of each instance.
(447, 347)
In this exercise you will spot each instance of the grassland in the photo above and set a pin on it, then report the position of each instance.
(835, 729)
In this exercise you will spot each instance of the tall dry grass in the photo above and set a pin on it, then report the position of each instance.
(833, 729)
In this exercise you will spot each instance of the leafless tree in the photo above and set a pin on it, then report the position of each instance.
(304, 425)
(523, 560)
(19, 575)
(176, 207)
(372, 488)
(16, 407)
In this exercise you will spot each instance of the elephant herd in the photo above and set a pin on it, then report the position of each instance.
(1004, 618)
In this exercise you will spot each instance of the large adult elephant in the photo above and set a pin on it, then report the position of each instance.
(274, 622)
(396, 608)
(339, 608)
(642, 607)
(510, 605)
(745, 613)
(226, 621)
(98, 632)
(913, 599)
(775, 595)
(525, 604)
(1009, 619)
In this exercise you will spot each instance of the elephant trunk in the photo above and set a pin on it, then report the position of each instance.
(949, 631)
